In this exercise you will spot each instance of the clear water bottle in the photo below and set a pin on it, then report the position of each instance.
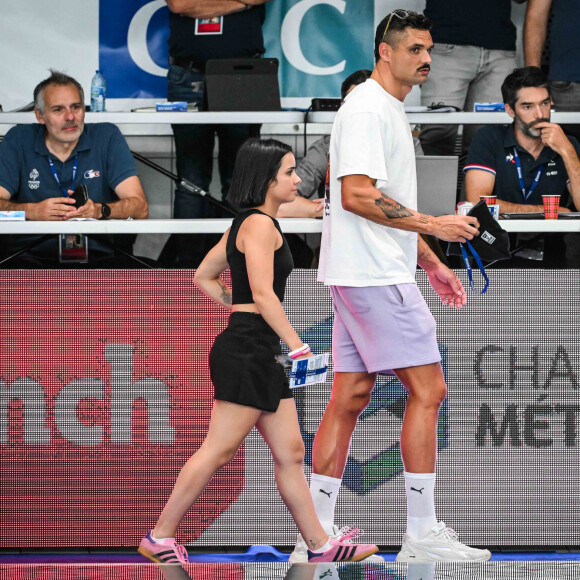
(98, 92)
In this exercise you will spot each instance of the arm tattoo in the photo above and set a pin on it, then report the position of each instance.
(425, 255)
(391, 208)
(422, 251)
(226, 294)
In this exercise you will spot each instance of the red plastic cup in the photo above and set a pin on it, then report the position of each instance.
(489, 199)
(551, 205)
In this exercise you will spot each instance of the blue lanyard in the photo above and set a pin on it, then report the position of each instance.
(521, 177)
(74, 173)
(479, 265)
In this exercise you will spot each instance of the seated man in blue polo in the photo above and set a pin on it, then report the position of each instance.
(532, 157)
(41, 164)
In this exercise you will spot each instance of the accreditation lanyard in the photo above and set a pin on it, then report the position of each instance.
(479, 263)
(521, 176)
(74, 173)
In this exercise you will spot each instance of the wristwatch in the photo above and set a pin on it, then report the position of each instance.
(105, 212)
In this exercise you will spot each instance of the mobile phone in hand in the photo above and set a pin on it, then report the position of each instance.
(80, 195)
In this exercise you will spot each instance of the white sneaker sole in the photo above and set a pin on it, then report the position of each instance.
(401, 557)
(299, 557)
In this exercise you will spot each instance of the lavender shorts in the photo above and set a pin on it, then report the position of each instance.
(381, 328)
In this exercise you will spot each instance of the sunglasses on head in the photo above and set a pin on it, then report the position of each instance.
(400, 14)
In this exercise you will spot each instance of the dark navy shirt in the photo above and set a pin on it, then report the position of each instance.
(564, 61)
(484, 23)
(492, 149)
(240, 37)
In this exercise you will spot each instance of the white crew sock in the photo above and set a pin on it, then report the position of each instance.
(324, 491)
(323, 548)
(160, 539)
(420, 489)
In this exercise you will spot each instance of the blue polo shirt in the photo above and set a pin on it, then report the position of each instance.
(104, 161)
(492, 150)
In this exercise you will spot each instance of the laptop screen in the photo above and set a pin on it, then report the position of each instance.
(436, 184)
(242, 84)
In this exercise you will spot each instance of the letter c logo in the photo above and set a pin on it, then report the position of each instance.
(137, 38)
(290, 38)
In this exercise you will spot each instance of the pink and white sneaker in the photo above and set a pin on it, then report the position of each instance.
(166, 552)
(343, 552)
(346, 534)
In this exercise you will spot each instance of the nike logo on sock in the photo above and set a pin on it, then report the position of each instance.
(418, 490)
(328, 493)
(326, 574)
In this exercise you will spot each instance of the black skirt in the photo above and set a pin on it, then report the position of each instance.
(243, 366)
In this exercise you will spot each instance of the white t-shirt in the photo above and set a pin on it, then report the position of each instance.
(370, 136)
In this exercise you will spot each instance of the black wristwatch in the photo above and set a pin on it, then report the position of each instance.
(105, 212)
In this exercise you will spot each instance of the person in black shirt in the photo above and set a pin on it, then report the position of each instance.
(547, 158)
(250, 386)
(557, 22)
(475, 48)
(200, 30)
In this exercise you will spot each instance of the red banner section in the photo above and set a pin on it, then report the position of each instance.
(104, 394)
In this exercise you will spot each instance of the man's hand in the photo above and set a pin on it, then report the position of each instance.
(554, 137)
(455, 228)
(447, 286)
(210, 8)
(51, 209)
(88, 210)
(61, 209)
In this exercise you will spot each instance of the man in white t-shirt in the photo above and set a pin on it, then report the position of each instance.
(369, 254)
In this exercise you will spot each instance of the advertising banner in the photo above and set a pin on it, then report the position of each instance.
(318, 44)
(105, 393)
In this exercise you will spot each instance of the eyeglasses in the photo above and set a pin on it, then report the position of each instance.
(400, 14)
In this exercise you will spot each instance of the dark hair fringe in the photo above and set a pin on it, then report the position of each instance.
(528, 76)
(356, 78)
(257, 164)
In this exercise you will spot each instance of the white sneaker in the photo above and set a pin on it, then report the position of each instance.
(345, 534)
(441, 544)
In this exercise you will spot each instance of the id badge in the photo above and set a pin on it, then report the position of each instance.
(73, 249)
(205, 26)
(309, 371)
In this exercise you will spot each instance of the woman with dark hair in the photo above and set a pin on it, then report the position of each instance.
(251, 388)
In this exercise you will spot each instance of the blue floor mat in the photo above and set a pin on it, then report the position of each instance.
(270, 554)
(535, 556)
(258, 553)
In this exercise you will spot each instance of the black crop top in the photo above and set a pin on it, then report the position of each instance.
(283, 263)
